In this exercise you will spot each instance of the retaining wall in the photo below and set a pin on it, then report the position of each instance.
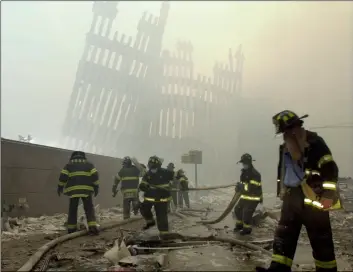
(31, 171)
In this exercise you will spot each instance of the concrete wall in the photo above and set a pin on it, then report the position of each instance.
(32, 171)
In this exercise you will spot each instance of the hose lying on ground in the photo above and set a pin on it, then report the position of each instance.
(196, 210)
(35, 258)
(189, 213)
(231, 241)
(211, 187)
(182, 216)
(212, 238)
(230, 207)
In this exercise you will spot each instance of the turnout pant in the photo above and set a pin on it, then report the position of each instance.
(294, 214)
(89, 211)
(244, 211)
(174, 195)
(161, 209)
(127, 202)
(183, 195)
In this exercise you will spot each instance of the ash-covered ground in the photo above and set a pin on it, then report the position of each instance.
(86, 253)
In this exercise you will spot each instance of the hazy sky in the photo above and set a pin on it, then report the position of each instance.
(298, 55)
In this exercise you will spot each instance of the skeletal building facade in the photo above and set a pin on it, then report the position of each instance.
(130, 97)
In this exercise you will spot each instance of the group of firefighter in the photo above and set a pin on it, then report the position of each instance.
(161, 188)
(307, 185)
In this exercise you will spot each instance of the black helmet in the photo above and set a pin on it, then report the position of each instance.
(154, 162)
(127, 161)
(287, 119)
(170, 166)
(180, 172)
(246, 158)
(78, 155)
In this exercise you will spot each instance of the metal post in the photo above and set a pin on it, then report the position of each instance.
(196, 185)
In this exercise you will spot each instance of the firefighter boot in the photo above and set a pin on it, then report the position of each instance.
(165, 236)
(149, 224)
(261, 269)
(238, 226)
(71, 231)
(245, 231)
(93, 230)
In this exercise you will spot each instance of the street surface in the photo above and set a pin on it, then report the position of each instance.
(86, 253)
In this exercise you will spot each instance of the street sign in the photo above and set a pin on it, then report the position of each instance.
(193, 157)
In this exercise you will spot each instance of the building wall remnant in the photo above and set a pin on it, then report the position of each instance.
(31, 171)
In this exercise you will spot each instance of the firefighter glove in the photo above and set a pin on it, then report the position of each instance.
(239, 187)
(96, 191)
(144, 187)
(59, 190)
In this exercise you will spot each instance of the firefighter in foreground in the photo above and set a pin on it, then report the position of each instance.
(310, 180)
(79, 180)
(173, 185)
(129, 176)
(251, 195)
(183, 188)
(156, 187)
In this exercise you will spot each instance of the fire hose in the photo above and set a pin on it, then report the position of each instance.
(211, 187)
(37, 256)
(230, 207)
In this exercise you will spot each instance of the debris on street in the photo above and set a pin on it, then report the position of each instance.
(22, 227)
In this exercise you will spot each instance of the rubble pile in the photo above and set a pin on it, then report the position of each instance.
(24, 226)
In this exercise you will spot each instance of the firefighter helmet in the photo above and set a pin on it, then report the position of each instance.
(170, 166)
(287, 119)
(127, 161)
(246, 158)
(154, 162)
(78, 155)
(180, 172)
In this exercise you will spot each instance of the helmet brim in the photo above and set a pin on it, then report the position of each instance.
(297, 122)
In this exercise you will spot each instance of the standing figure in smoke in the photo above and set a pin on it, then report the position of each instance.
(156, 187)
(183, 194)
(310, 181)
(251, 195)
(129, 176)
(79, 180)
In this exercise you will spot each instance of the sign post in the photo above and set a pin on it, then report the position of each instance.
(193, 157)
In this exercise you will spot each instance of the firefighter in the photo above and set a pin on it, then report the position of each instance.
(183, 188)
(251, 195)
(129, 176)
(279, 172)
(79, 180)
(156, 187)
(310, 180)
(173, 185)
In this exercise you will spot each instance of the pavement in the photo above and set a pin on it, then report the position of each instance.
(86, 253)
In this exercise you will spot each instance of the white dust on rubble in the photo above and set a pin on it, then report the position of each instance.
(218, 197)
(19, 227)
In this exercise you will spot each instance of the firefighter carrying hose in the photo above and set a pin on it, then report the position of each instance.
(173, 185)
(79, 180)
(183, 188)
(310, 180)
(156, 187)
(129, 176)
(251, 195)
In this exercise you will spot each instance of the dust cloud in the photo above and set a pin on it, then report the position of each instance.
(298, 55)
